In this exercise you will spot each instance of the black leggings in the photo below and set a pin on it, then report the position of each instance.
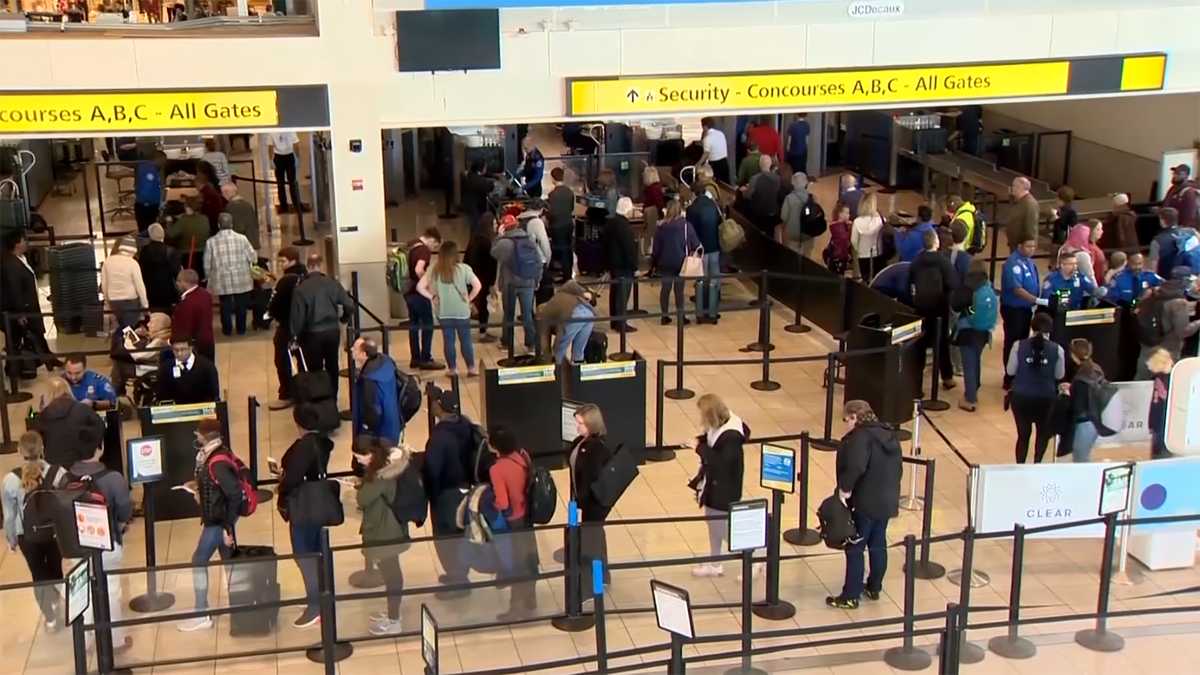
(1031, 411)
(393, 581)
(671, 282)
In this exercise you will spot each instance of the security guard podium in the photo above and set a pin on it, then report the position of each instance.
(1100, 326)
(888, 380)
(619, 388)
(177, 426)
(527, 400)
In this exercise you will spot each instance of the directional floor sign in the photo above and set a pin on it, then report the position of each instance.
(588, 97)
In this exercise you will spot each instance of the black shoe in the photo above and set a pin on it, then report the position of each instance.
(686, 321)
(431, 365)
(947, 385)
(311, 616)
(666, 321)
(871, 595)
(486, 338)
(838, 602)
(414, 365)
(628, 329)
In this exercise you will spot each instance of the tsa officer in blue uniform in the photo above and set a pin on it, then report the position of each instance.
(1068, 286)
(1019, 289)
(1133, 282)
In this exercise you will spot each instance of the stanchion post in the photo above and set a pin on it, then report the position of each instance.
(348, 414)
(925, 568)
(659, 453)
(763, 342)
(103, 619)
(7, 446)
(1012, 645)
(331, 650)
(356, 317)
(152, 600)
(968, 652)
(802, 535)
(79, 641)
(935, 403)
(950, 640)
(747, 631)
(598, 605)
(679, 393)
(773, 608)
(14, 395)
(765, 384)
(797, 325)
(827, 442)
(252, 406)
(907, 656)
(575, 620)
(678, 665)
(637, 304)
(1101, 639)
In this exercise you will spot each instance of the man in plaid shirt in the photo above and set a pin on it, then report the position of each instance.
(227, 260)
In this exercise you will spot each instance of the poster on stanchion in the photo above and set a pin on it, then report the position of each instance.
(1035, 495)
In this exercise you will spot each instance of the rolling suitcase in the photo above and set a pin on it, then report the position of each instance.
(253, 580)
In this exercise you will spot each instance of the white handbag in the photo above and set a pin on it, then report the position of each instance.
(693, 262)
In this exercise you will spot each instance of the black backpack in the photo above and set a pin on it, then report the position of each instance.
(39, 509)
(928, 288)
(543, 494)
(836, 523)
(812, 219)
(480, 458)
(1149, 315)
(978, 235)
(411, 504)
(408, 395)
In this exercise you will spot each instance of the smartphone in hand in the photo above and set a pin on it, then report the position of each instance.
(273, 465)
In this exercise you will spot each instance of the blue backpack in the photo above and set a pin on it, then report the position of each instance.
(982, 313)
(525, 264)
(147, 183)
(1179, 247)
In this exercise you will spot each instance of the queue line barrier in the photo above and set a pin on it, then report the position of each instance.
(954, 647)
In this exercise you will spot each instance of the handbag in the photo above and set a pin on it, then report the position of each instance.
(316, 503)
(615, 477)
(693, 262)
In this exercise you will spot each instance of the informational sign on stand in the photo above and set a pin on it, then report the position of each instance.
(747, 525)
(673, 609)
(429, 641)
(1114, 488)
(568, 420)
(1038, 494)
(144, 457)
(778, 468)
(79, 590)
(93, 527)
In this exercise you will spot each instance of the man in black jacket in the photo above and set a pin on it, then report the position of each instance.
(318, 303)
(447, 472)
(933, 279)
(705, 216)
(280, 309)
(187, 377)
(868, 481)
(19, 294)
(622, 255)
(160, 266)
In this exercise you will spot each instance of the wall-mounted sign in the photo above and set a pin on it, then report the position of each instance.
(128, 112)
(587, 97)
(875, 9)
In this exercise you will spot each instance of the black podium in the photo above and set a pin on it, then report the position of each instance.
(619, 388)
(176, 424)
(113, 456)
(888, 380)
(527, 399)
(1100, 326)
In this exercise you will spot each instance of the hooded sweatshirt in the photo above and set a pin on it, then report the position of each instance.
(70, 430)
(721, 464)
(375, 497)
(869, 468)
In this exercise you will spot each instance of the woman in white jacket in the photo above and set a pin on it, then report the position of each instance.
(121, 283)
(866, 238)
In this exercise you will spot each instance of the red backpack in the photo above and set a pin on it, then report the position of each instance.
(249, 493)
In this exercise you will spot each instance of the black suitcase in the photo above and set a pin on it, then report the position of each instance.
(253, 580)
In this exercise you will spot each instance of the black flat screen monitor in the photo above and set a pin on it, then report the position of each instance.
(448, 39)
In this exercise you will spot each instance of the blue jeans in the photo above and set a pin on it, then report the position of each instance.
(461, 328)
(233, 310)
(708, 292)
(1084, 439)
(575, 334)
(972, 366)
(524, 295)
(872, 534)
(420, 327)
(307, 539)
(212, 540)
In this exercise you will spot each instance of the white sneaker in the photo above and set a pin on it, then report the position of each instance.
(199, 623)
(386, 627)
(378, 617)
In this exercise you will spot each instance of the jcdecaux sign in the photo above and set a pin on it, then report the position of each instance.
(899, 85)
(139, 111)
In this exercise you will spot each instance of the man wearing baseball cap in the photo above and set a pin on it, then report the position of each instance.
(1181, 196)
(447, 472)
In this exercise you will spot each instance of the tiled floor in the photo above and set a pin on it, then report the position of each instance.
(1060, 576)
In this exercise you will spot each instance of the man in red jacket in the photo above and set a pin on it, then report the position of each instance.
(193, 316)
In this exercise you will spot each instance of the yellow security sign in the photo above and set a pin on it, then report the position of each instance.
(121, 112)
(910, 84)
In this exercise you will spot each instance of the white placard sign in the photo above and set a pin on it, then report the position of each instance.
(145, 458)
(79, 590)
(1129, 408)
(429, 641)
(673, 609)
(569, 433)
(747, 525)
(1114, 490)
(93, 526)
(1034, 495)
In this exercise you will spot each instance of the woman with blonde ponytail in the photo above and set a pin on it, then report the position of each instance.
(40, 551)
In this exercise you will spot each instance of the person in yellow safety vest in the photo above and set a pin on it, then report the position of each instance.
(959, 209)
